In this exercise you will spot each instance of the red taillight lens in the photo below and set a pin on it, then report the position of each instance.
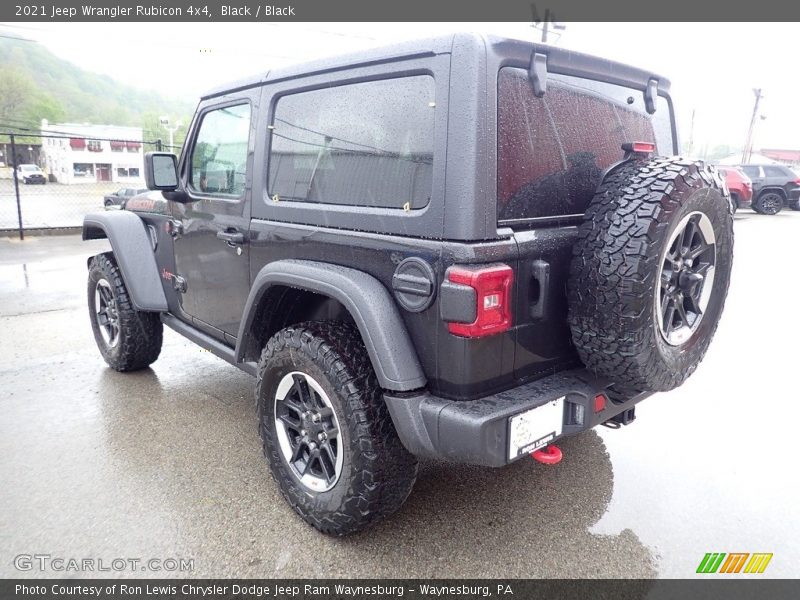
(797, 181)
(599, 403)
(639, 147)
(492, 285)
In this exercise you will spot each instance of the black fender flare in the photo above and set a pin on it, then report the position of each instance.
(772, 188)
(133, 251)
(369, 303)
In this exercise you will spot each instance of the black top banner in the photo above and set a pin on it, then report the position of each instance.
(538, 12)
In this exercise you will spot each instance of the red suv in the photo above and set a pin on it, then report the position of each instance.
(739, 185)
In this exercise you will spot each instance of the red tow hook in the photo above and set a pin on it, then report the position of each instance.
(549, 455)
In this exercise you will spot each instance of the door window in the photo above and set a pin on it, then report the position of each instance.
(219, 156)
(752, 171)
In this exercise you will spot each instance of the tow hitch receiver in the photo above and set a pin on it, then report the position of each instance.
(626, 417)
(549, 455)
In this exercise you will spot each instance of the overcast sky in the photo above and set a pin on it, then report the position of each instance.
(713, 67)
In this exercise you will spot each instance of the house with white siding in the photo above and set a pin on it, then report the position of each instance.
(84, 153)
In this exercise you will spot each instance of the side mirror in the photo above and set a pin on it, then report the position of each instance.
(161, 171)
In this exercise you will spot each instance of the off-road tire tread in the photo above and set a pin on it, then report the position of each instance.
(384, 471)
(614, 265)
(141, 333)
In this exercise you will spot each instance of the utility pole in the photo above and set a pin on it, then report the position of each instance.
(748, 145)
(14, 165)
(165, 123)
(549, 18)
(545, 25)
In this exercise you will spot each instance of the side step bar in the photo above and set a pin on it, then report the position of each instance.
(211, 344)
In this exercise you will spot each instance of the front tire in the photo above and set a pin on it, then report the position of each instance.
(128, 339)
(326, 431)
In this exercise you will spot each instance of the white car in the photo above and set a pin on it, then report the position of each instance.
(31, 174)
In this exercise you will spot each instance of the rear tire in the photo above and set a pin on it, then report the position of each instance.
(127, 338)
(326, 431)
(795, 204)
(768, 203)
(655, 236)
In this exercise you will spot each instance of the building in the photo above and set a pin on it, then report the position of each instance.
(790, 158)
(755, 159)
(74, 153)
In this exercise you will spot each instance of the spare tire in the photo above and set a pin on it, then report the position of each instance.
(650, 272)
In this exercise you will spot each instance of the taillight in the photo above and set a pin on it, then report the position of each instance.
(639, 147)
(797, 181)
(492, 285)
(599, 403)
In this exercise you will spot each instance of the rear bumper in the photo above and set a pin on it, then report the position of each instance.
(477, 431)
(744, 198)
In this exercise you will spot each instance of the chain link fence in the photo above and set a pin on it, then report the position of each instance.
(50, 181)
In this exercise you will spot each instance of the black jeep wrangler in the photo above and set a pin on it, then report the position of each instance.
(463, 248)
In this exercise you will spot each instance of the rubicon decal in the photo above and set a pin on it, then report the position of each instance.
(734, 562)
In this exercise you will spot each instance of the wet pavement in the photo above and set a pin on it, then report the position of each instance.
(166, 463)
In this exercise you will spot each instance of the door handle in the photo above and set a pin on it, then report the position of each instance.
(232, 238)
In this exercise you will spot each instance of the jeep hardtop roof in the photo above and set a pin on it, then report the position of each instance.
(498, 50)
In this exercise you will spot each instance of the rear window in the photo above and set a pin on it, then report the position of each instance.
(552, 150)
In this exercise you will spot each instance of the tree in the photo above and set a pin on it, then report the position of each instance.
(17, 92)
(22, 104)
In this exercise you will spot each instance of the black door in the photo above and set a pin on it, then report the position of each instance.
(756, 175)
(211, 247)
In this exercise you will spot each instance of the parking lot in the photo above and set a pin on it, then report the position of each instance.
(52, 205)
(166, 462)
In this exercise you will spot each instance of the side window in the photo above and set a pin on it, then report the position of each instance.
(363, 144)
(774, 172)
(551, 151)
(751, 171)
(219, 156)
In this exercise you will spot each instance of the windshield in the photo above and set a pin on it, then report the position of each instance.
(551, 151)
(28, 168)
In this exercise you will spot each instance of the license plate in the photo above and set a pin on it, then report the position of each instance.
(535, 428)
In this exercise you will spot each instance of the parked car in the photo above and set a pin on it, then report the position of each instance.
(739, 186)
(119, 197)
(31, 174)
(774, 186)
(414, 260)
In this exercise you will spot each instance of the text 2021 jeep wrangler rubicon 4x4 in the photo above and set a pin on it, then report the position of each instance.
(465, 247)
